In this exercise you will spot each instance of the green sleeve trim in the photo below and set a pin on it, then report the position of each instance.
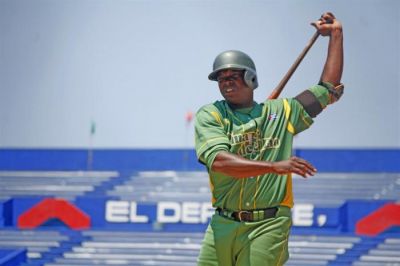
(211, 143)
(321, 93)
(209, 156)
(307, 120)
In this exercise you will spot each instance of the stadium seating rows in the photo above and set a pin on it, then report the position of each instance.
(327, 188)
(67, 185)
(93, 247)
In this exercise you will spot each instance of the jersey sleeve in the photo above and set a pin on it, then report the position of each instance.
(321, 93)
(299, 119)
(210, 135)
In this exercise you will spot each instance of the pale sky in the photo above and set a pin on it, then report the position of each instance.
(137, 67)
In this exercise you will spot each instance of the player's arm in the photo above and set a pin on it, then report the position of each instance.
(239, 167)
(314, 100)
(333, 69)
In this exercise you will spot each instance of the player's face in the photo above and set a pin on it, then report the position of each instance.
(234, 89)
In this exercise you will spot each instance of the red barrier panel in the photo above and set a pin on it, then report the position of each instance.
(379, 220)
(54, 208)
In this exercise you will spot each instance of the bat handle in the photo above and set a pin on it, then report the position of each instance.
(277, 91)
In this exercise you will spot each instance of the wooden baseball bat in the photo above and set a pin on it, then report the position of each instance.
(277, 91)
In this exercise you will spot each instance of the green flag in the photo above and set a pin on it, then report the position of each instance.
(92, 128)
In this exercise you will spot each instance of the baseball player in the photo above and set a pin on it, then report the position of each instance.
(247, 148)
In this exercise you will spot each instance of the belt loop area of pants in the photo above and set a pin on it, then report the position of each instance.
(249, 215)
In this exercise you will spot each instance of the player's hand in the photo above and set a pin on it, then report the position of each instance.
(294, 165)
(327, 24)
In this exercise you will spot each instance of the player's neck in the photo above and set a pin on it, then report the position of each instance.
(241, 106)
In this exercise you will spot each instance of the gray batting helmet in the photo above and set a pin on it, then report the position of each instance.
(233, 59)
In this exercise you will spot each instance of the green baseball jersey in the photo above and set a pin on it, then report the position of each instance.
(262, 132)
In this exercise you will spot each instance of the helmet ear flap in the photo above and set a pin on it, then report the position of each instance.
(251, 79)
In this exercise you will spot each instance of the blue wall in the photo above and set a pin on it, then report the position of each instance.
(103, 159)
(353, 160)
(325, 160)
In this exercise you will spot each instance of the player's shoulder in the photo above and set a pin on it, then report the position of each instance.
(274, 103)
(217, 106)
(280, 103)
(212, 112)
